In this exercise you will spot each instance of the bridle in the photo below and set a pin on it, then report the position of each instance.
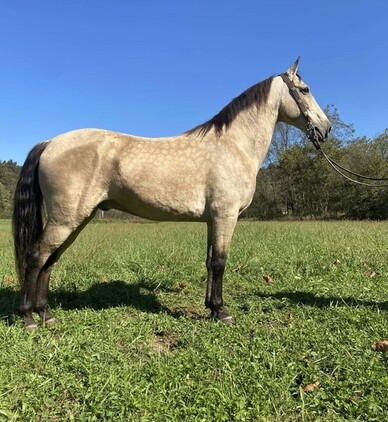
(311, 131)
(312, 135)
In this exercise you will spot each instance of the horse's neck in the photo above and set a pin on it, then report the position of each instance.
(253, 128)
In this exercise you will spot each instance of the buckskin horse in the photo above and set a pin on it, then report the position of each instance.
(206, 174)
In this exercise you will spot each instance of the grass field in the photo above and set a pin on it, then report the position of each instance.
(133, 341)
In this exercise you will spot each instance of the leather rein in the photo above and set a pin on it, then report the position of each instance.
(314, 138)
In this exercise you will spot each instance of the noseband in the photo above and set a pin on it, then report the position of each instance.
(314, 138)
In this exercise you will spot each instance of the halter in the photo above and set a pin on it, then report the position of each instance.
(314, 138)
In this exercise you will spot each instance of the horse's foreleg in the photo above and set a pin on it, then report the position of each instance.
(209, 264)
(222, 232)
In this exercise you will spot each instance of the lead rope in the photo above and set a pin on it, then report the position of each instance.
(338, 167)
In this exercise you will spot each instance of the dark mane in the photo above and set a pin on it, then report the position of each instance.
(256, 94)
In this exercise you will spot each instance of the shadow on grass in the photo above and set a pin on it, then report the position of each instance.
(99, 296)
(143, 297)
(9, 301)
(310, 299)
(108, 295)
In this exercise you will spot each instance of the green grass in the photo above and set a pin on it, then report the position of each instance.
(134, 342)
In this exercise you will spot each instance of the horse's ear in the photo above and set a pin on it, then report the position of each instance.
(292, 71)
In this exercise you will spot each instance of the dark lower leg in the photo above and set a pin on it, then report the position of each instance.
(41, 301)
(216, 303)
(209, 267)
(52, 245)
(28, 293)
(219, 238)
(209, 288)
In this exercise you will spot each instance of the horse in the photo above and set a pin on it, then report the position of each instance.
(206, 174)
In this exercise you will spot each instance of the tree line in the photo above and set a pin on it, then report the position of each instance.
(295, 181)
(9, 173)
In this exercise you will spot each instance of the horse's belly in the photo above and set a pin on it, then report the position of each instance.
(162, 186)
(162, 203)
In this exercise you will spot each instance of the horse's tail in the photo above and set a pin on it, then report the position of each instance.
(27, 221)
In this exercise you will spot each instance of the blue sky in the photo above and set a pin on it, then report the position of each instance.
(158, 68)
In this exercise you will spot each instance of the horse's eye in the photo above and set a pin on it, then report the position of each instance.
(305, 90)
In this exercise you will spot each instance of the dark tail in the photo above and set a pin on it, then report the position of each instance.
(27, 210)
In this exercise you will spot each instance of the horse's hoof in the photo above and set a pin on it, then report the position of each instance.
(49, 321)
(223, 316)
(30, 324)
(228, 320)
(46, 318)
(31, 327)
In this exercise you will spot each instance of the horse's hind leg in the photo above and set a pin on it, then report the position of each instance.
(38, 271)
(33, 266)
(41, 303)
(58, 247)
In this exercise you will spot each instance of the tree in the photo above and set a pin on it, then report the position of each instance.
(368, 157)
(297, 181)
(284, 137)
(5, 202)
(9, 173)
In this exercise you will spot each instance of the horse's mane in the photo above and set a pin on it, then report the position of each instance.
(256, 94)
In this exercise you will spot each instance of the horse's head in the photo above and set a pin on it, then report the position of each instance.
(299, 108)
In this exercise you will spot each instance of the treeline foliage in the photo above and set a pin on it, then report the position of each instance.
(9, 173)
(295, 181)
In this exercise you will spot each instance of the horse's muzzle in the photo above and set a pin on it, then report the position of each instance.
(322, 135)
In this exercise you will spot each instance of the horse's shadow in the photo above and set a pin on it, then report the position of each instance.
(310, 299)
(115, 293)
(108, 294)
(143, 297)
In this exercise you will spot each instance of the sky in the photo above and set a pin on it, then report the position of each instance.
(158, 68)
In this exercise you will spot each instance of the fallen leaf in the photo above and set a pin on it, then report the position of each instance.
(357, 395)
(103, 281)
(311, 387)
(268, 278)
(380, 346)
(237, 268)
(163, 343)
(8, 279)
